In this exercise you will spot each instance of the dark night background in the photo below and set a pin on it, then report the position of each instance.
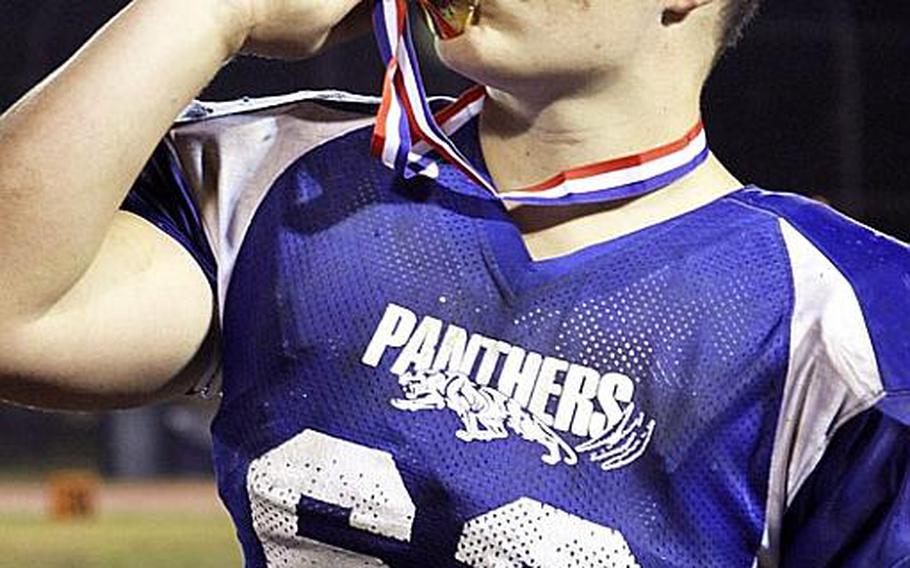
(815, 100)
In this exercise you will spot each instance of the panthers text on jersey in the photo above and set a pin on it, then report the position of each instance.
(404, 386)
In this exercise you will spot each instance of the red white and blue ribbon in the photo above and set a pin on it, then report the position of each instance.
(407, 134)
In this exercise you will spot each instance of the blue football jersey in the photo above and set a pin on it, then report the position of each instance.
(403, 385)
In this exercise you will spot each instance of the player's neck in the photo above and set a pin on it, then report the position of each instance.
(527, 142)
(528, 139)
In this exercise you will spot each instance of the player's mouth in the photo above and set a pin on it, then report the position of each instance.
(451, 18)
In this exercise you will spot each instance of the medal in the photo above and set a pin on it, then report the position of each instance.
(410, 139)
(450, 18)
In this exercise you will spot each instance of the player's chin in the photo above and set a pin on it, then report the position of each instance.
(486, 58)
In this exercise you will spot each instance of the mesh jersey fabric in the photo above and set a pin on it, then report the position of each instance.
(404, 386)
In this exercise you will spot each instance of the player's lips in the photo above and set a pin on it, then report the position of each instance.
(451, 18)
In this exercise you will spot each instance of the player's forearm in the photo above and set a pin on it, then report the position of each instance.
(73, 146)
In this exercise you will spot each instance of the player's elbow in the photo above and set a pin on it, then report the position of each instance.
(63, 381)
(23, 386)
(26, 391)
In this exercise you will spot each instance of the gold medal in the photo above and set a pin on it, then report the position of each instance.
(450, 18)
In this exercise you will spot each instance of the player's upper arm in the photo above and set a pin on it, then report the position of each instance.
(137, 326)
(140, 324)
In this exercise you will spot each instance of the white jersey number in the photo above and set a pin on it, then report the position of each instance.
(367, 481)
(529, 533)
(336, 472)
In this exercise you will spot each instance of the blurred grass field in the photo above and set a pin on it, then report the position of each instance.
(159, 541)
(157, 526)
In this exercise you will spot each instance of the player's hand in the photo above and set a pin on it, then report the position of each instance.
(297, 29)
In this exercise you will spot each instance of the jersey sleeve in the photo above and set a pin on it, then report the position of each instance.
(206, 179)
(162, 196)
(854, 510)
(840, 488)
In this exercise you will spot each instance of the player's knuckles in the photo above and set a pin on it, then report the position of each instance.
(294, 28)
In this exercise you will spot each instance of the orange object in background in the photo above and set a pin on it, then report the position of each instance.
(73, 494)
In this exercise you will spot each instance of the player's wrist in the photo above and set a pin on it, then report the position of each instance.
(227, 23)
(236, 20)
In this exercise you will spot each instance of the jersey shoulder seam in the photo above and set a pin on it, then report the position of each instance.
(780, 217)
(865, 397)
(200, 110)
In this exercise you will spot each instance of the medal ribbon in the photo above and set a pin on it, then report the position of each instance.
(407, 133)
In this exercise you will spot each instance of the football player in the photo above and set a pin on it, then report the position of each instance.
(556, 332)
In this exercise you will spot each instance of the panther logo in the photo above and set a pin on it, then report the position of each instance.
(486, 414)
